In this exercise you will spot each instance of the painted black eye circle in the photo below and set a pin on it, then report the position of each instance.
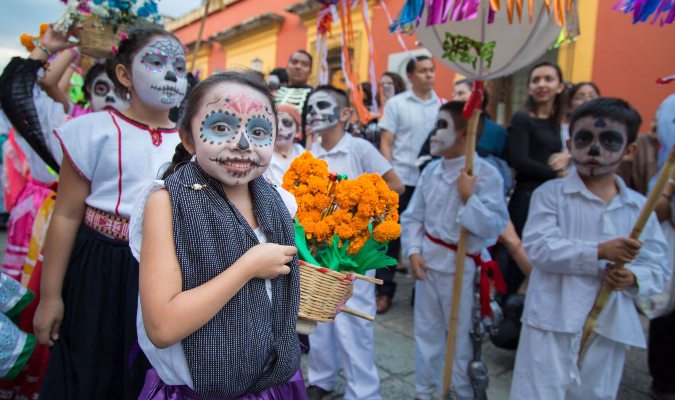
(287, 123)
(101, 88)
(441, 124)
(583, 138)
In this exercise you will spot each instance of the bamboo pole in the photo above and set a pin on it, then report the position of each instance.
(195, 51)
(647, 210)
(451, 339)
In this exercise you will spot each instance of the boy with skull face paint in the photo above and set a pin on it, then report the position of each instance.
(349, 340)
(445, 200)
(575, 231)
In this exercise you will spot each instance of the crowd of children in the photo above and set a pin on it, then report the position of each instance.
(170, 268)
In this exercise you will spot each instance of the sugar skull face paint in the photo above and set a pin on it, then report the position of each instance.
(598, 145)
(287, 130)
(158, 73)
(234, 134)
(443, 135)
(323, 112)
(103, 94)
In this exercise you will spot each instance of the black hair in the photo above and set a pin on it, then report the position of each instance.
(194, 101)
(559, 104)
(89, 77)
(301, 51)
(575, 88)
(339, 94)
(127, 49)
(456, 110)
(410, 66)
(468, 82)
(282, 74)
(613, 108)
(399, 83)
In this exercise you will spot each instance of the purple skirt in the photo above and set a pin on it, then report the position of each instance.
(155, 389)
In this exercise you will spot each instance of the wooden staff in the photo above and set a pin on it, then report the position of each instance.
(647, 210)
(199, 35)
(451, 339)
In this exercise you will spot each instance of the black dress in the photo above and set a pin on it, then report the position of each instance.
(531, 142)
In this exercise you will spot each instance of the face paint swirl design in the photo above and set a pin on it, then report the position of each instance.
(598, 146)
(159, 73)
(236, 134)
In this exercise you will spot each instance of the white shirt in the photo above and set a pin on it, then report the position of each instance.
(566, 223)
(116, 156)
(436, 208)
(279, 165)
(411, 120)
(352, 156)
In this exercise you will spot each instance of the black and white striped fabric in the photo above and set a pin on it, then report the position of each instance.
(251, 344)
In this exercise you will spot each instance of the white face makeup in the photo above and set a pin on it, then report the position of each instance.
(287, 130)
(103, 94)
(444, 134)
(158, 73)
(598, 145)
(323, 112)
(234, 134)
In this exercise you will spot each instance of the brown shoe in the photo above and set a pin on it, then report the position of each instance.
(383, 303)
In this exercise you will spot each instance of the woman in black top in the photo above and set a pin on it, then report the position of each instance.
(535, 147)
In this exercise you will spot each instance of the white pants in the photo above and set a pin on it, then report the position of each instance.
(433, 299)
(349, 342)
(546, 367)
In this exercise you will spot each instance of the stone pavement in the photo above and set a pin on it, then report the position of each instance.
(395, 357)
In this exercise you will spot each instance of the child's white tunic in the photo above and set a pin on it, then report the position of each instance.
(349, 340)
(564, 227)
(436, 208)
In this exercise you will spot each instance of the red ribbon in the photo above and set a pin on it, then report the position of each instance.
(489, 271)
(475, 102)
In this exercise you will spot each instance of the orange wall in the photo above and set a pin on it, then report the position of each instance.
(629, 58)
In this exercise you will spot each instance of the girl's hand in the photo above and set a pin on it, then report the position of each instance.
(47, 320)
(55, 41)
(268, 260)
(619, 278)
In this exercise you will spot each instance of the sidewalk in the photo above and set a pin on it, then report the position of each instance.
(395, 357)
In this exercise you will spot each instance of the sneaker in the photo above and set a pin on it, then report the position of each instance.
(317, 393)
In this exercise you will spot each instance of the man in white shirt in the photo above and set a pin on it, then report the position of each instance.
(349, 341)
(408, 119)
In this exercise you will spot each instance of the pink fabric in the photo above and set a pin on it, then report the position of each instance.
(20, 227)
(14, 170)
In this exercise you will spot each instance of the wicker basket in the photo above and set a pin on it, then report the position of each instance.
(96, 39)
(323, 293)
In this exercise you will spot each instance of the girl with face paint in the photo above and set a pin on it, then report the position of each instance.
(89, 289)
(221, 237)
(285, 148)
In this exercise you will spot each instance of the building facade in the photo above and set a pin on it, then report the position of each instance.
(623, 59)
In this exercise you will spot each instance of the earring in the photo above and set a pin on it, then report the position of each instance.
(128, 95)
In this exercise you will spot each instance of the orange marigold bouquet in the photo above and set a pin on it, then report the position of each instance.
(342, 224)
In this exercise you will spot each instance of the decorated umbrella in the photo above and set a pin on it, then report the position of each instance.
(479, 40)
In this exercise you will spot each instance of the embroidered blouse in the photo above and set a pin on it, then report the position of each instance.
(116, 155)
